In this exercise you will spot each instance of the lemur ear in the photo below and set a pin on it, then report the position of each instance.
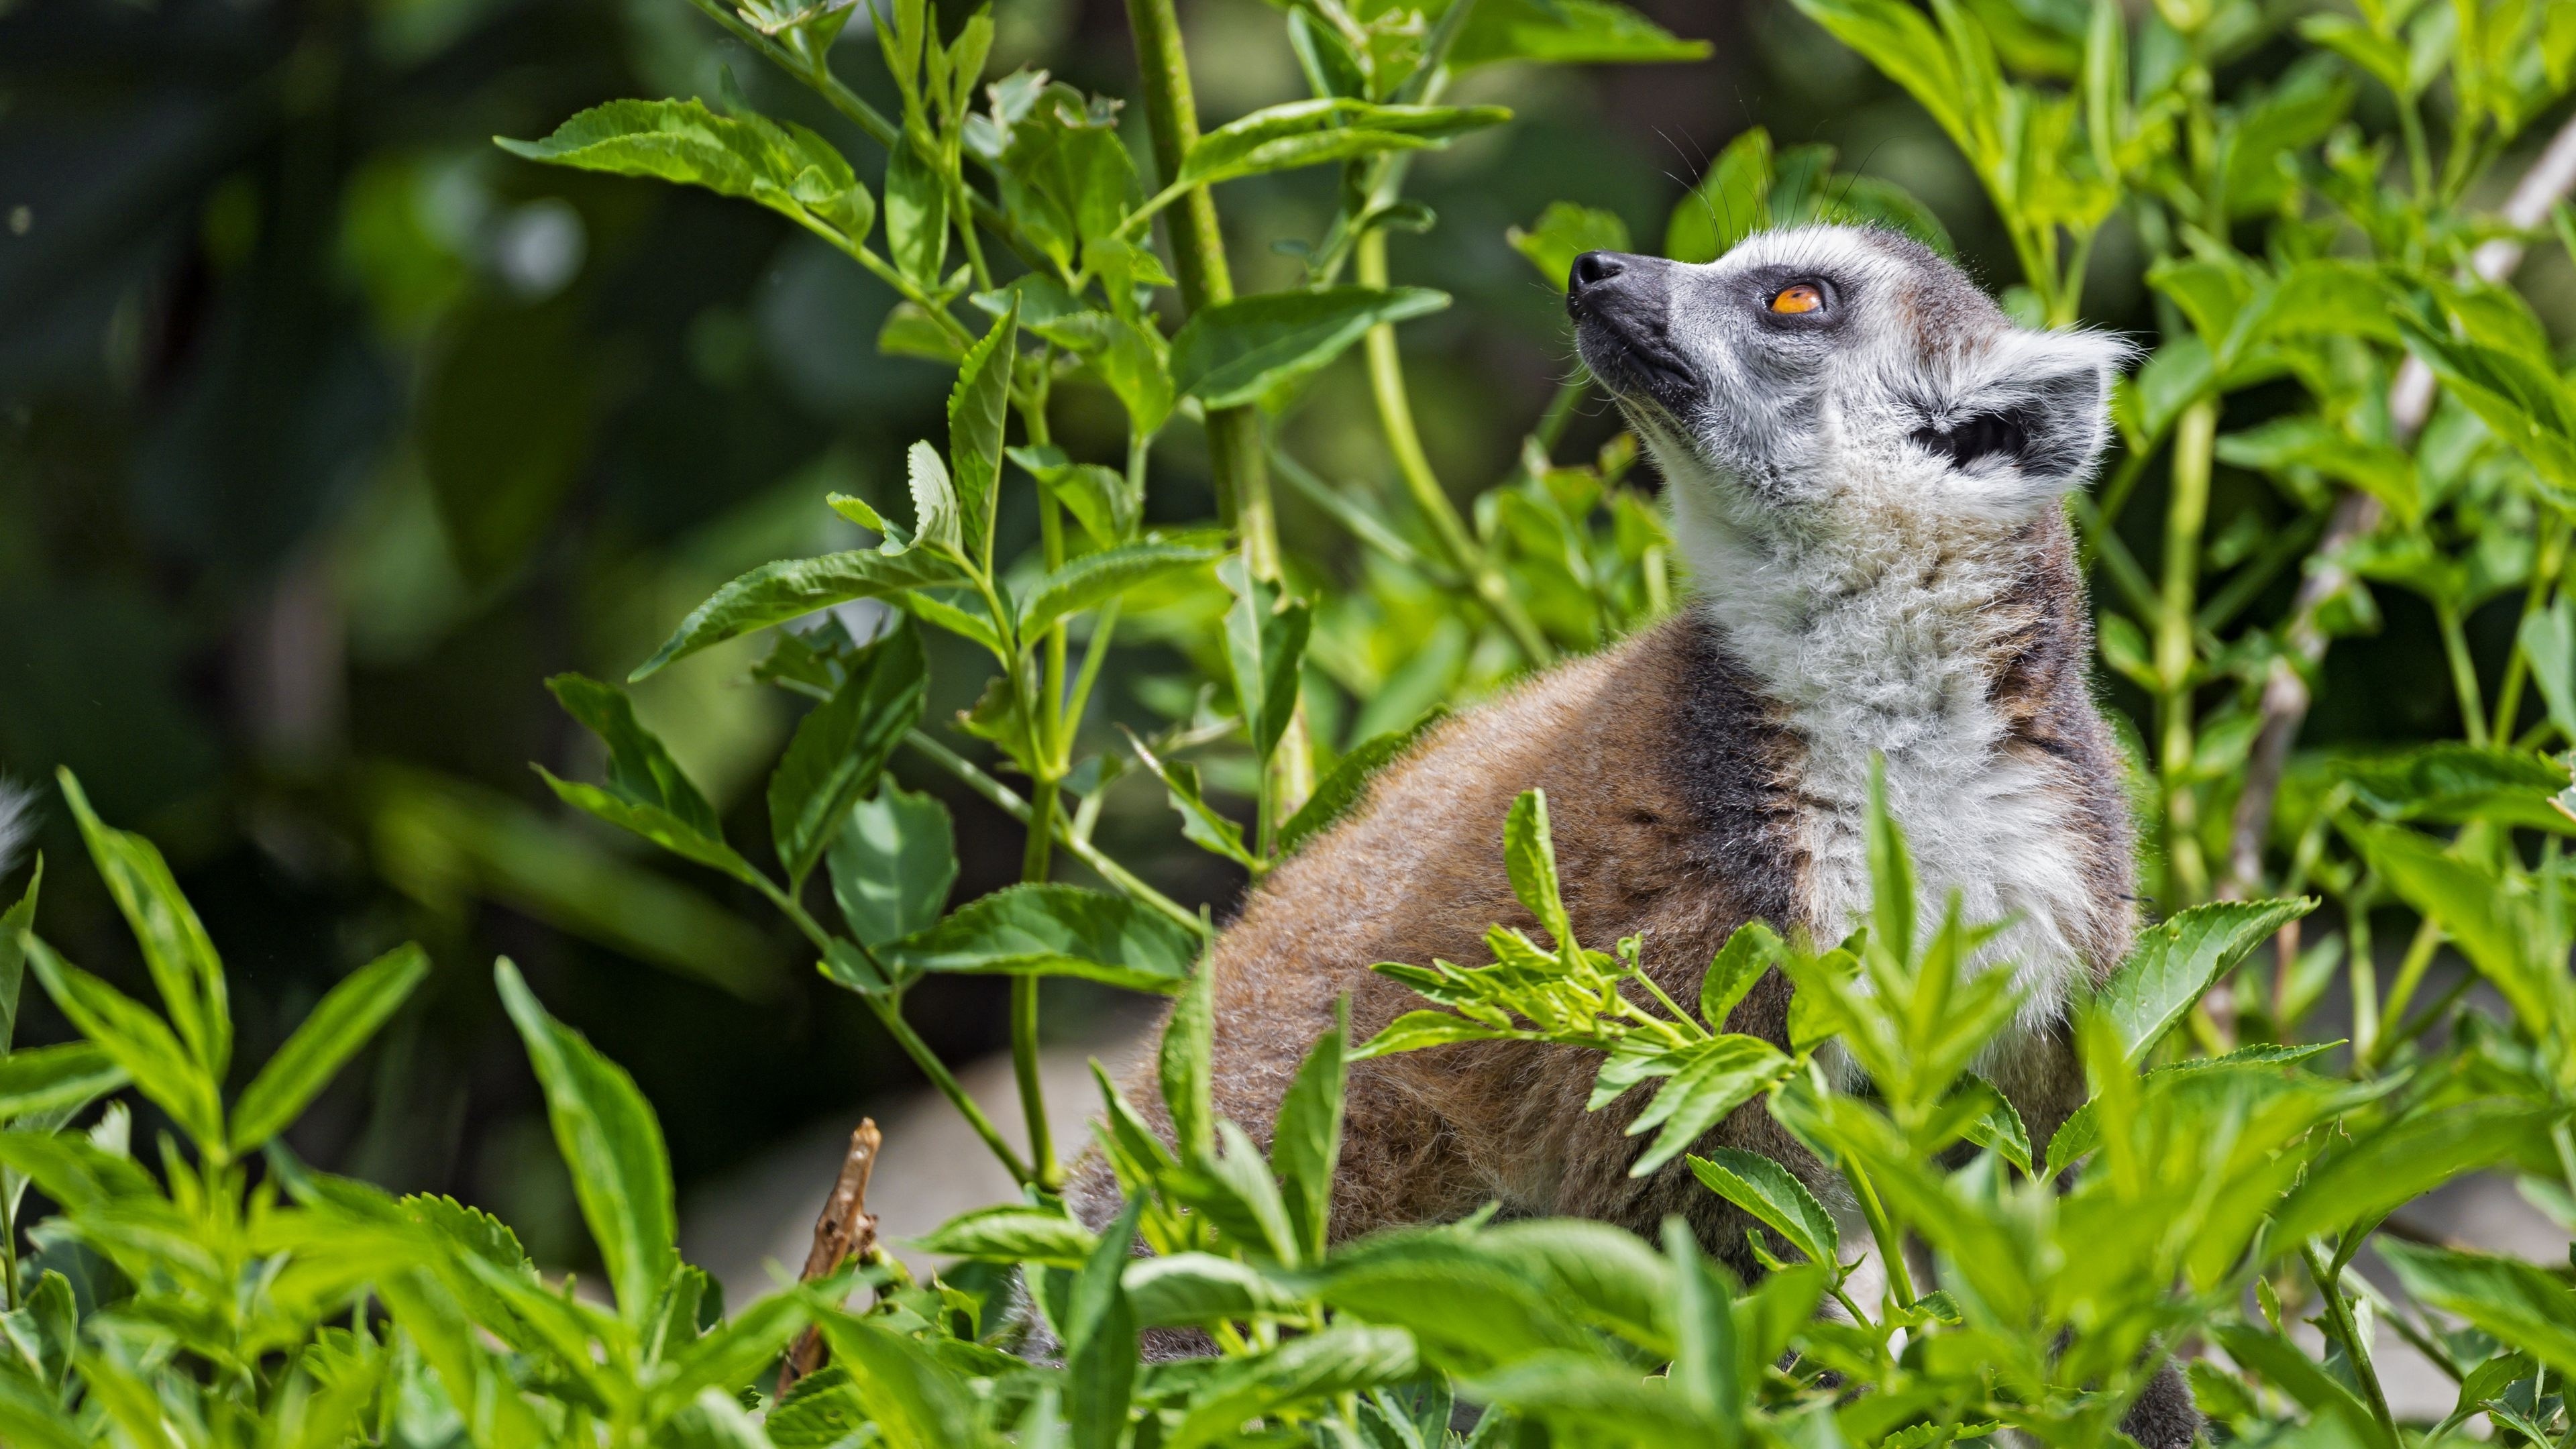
(2038, 403)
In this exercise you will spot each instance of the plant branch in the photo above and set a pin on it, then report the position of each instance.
(1009, 801)
(2286, 695)
(845, 1230)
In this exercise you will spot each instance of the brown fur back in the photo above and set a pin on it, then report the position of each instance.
(1671, 793)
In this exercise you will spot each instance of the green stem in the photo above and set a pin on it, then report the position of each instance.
(1024, 1003)
(878, 127)
(1236, 455)
(1009, 802)
(2195, 437)
(1891, 1246)
(1395, 417)
(2340, 1323)
(2464, 672)
(2410, 974)
(2517, 669)
(890, 1013)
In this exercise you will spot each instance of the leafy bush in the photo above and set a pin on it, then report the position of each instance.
(2330, 290)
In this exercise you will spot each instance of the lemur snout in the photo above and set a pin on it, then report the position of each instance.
(1622, 309)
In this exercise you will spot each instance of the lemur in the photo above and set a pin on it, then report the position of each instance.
(1864, 459)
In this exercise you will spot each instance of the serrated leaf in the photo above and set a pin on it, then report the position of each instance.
(1011, 1233)
(621, 1172)
(893, 864)
(1095, 578)
(1774, 1197)
(339, 1024)
(1054, 930)
(1312, 132)
(1265, 644)
(1306, 1144)
(640, 767)
(1563, 232)
(1345, 1358)
(2177, 960)
(653, 823)
(841, 746)
(1236, 352)
(1418, 1029)
(978, 408)
(1715, 1077)
(792, 588)
(780, 165)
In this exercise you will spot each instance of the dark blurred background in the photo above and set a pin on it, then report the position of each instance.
(328, 431)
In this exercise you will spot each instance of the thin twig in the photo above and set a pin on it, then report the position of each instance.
(2410, 401)
(845, 1230)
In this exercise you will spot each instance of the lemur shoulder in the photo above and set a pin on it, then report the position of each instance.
(1864, 460)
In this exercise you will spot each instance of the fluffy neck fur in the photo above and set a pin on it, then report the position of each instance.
(1885, 628)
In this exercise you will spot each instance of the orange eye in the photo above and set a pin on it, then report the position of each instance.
(1800, 298)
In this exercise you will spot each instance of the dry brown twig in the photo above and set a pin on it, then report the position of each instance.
(845, 1230)
(2410, 402)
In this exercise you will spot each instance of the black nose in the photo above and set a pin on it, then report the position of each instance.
(1593, 268)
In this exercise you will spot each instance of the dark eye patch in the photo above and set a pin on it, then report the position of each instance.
(1979, 435)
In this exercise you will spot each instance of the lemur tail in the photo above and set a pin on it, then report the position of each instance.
(17, 823)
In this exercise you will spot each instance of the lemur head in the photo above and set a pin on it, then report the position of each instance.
(1837, 373)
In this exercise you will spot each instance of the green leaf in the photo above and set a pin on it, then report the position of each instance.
(1774, 1197)
(1182, 1063)
(1896, 38)
(1100, 1339)
(338, 1025)
(2452, 782)
(916, 216)
(2399, 1162)
(893, 864)
(1265, 644)
(1202, 1288)
(73, 1171)
(1529, 855)
(782, 166)
(1096, 578)
(2548, 641)
(138, 1042)
(1301, 1372)
(16, 924)
(2478, 914)
(640, 768)
(934, 500)
(1312, 132)
(48, 1078)
(1731, 202)
(1566, 32)
(1705, 1371)
(1752, 950)
(841, 747)
(2524, 1306)
(1012, 1233)
(730, 1355)
(1418, 1029)
(792, 588)
(1054, 930)
(913, 1400)
(1097, 497)
(181, 956)
(1234, 1191)
(1563, 232)
(1236, 352)
(1306, 1144)
(1713, 1078)
(2282, 1362)
(1891, 872)
(1348, 780)
(654, 824)
(621, 1173)
(2178, 960)
(978, 408)
(1202, 824)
